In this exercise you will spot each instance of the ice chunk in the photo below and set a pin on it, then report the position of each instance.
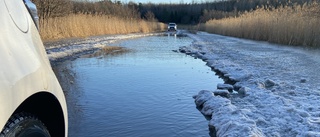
(203, 96)
(269, 83)
(222, 93)
(303, 80)
(228, 120)
(225, 86)
(243, 90)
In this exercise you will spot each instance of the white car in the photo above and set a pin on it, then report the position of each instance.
(32, 102)
(172, 27)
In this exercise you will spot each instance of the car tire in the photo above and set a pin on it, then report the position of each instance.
(24, 125)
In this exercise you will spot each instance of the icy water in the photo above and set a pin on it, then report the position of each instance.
(144, 92)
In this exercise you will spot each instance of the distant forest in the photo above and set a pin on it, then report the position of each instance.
(201, 12)
(192, 13)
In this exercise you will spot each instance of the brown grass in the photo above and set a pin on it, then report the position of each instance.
(108, 50)
(111, 48)
(83, 25)
(297, 25)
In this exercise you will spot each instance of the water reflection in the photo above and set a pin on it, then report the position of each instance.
(146, 91)
(73, 93)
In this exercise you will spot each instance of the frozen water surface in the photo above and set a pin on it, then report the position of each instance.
(278, 87)
(145, 92)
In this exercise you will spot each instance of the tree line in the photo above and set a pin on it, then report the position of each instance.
(195, 13)
(183, 13)
(59, 8)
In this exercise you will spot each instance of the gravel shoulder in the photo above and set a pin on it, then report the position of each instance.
(276, 87)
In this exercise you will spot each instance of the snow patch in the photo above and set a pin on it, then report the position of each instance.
(62, 51)
(227, 119)
(277, 89)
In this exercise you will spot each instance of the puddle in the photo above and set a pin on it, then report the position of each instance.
(145, 91)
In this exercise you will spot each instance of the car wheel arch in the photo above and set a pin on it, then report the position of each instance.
(47, 108)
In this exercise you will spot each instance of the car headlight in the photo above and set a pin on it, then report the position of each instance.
(32, 8)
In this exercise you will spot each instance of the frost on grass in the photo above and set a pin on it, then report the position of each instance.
(276, 87)
(59, 51)
(227, 119)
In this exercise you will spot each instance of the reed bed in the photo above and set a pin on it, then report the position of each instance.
(83, 25)
(290, 25)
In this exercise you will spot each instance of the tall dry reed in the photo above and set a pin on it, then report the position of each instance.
(294, 25)
(82, 25)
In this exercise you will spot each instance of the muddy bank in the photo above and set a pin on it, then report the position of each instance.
(69, 49)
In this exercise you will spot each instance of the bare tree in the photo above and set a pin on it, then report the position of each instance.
(150, 16)
(53, 8)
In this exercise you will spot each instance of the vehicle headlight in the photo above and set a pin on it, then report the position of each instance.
(32, 8)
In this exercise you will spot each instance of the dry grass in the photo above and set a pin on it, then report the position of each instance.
(82, 25)
(111, 48)
(108, 50)
(297, 25)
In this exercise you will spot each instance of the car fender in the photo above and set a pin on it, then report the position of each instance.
(25, 69)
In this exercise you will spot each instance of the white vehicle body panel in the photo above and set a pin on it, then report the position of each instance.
(25, 69)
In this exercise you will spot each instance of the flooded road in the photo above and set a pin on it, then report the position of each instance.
(146, 91)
